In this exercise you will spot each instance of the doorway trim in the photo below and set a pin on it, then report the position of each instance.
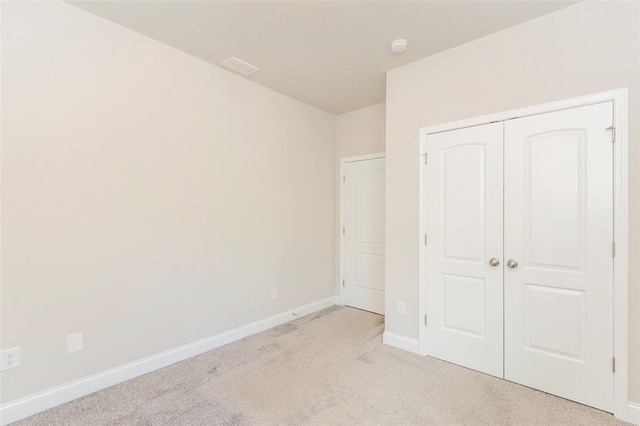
(619, 98)
(343, 163)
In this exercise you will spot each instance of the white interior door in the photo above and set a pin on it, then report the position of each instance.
(464, 229)
(559, 230)
(363, 234)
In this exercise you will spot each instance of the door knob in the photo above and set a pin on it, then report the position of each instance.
(512, 263)
(494, 261)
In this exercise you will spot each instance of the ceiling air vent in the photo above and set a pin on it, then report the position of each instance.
(239, 66)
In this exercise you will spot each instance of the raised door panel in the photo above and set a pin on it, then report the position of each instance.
(463, 304)
(368, 205)
(554, 321)
(463, 199)
(555, 199)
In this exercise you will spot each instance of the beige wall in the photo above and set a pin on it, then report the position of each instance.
(583, 49)
(361, 132)
(149, 199)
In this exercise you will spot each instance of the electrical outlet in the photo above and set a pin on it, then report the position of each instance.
(74, 343)
(10, 358)
(274, 293)
(402, 308)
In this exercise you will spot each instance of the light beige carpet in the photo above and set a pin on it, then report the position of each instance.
(329, 368)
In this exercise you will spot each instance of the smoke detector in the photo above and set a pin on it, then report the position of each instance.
(399, 45)
(239, 66)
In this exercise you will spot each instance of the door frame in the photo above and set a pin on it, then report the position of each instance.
(343, 163)
(619, 98)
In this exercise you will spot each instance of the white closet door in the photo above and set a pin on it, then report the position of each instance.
(363, 239)
(464, 228)
(559, 230)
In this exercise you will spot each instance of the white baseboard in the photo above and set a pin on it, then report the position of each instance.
(633, 415)
(401, 342)
(28, 406)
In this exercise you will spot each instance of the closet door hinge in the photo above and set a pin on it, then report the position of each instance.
(425, 158)
(425, 320)
(344, 178)
(613, 364)
(343, 230)
(613, 249)
(343, 283)
(613, 133)
(425, 239)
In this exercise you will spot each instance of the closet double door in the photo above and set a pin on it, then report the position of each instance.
(519, 254)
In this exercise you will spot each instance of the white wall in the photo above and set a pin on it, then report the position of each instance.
(358, 132)
(586, 48)
(149, 199)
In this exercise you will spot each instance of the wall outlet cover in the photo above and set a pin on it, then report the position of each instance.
(74, 343)
(10, 358)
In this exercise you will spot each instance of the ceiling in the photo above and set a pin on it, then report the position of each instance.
(330, 54)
